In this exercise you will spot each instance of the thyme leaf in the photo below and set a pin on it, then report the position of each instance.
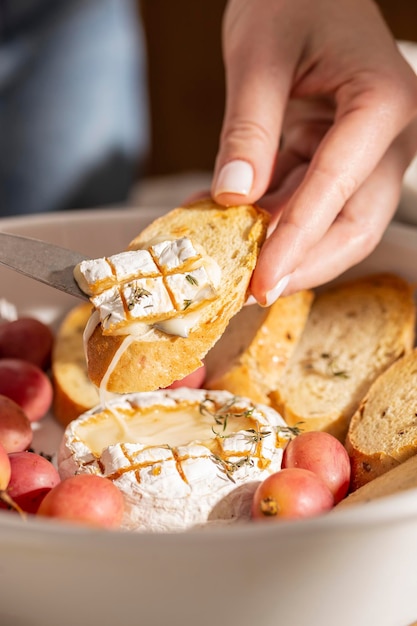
(330, 366)
(191, 279)
(221, 414)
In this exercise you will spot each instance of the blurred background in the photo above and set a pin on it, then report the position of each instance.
(186, 76)
(115, 101)
(186, 90)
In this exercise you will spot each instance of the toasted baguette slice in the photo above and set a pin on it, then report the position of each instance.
(253, 352)
(232, 237)
(383, 431)
(354, 332)
(74, 393)
(395, 480)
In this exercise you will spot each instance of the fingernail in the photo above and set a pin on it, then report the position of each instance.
(250, 300)
(273, 294)
(234, 177)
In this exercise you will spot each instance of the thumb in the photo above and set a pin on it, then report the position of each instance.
(257, 89)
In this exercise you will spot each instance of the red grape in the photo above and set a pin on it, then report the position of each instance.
(32, 477)
(87, 499)
(15, 430)
(290, 494)
(27, 385)
(28, 339)
(324, 455)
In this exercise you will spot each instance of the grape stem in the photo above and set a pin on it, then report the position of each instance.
(4, 496)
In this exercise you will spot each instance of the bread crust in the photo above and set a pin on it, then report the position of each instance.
(233, 237)
(395, 480)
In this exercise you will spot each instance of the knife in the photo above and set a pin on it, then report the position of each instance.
(42, 261)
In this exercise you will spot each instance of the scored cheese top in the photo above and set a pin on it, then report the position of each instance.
(149, 286)
(181, 457)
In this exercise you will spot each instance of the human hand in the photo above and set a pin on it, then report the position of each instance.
(328, 78)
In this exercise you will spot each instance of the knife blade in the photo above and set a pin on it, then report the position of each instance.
(45, 262)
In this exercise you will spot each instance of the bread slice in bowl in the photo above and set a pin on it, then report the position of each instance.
(383, 431)
(74, 393)
(395, 480)
(256, 346)
(172, 342)
(355, 331)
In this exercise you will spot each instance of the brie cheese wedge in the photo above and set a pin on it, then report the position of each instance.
(181, 458)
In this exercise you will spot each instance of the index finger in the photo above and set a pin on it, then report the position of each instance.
(347, 155)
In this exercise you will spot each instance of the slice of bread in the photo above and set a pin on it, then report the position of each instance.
(253, 352)
(383, 431)
(395, 480)
(232, 237)
(355, 331)
(74, 393)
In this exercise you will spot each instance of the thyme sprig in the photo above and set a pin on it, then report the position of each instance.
(230, 467)
(251, 435)
(136, 295)
(293, 431)
(222, 414)
(331, 366)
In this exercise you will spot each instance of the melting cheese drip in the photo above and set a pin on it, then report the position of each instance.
(105, 395)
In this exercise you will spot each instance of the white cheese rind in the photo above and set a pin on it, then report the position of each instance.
(126, 265)
(173, 254)
(172, 488)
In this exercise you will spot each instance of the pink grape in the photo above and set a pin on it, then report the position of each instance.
(291, 493)
(27, 385)
(15, 429)
(324, 455)
(86, 499)
(26, 338)
(32, 477)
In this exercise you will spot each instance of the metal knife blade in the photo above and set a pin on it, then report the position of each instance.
(42, 261)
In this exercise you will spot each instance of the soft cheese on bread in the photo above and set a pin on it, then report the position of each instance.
(144, 288)
(163, 303)
(383, 431)
(355, 331)
(181, 458)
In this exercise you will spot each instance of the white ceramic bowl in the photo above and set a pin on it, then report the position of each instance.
(356, 567)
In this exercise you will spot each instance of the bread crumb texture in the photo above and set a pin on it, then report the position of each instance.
(354, 332)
